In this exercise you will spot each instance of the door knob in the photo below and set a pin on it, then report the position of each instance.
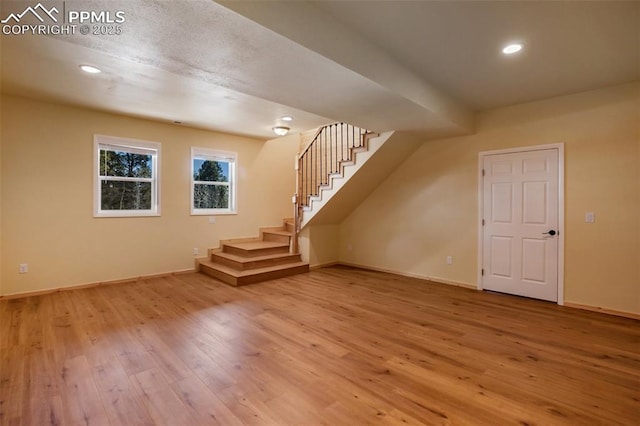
(552, 233)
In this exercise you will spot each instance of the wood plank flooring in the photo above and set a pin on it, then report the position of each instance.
(337, 346)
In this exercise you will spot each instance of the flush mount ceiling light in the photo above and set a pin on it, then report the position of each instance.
(281, 130)
(512, 48)
(286, 118)
(89, 69)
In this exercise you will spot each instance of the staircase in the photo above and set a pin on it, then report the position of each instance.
(325, 161)
(251, 260)
(333, 148)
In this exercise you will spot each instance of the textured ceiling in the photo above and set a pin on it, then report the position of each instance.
(387, 65)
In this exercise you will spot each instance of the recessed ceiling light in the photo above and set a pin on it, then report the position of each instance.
(89, 69)
(512, 48)
(287, 118)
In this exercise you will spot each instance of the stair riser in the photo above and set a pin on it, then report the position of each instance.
(214, 273)
(255, 252)
(256, 264)
(288, 226)
(243, 261)
(276, 238)
(252, 279)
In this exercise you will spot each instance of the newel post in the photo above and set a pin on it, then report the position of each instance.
(296, 207)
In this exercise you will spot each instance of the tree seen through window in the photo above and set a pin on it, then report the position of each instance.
(125, 180)
(211, 184)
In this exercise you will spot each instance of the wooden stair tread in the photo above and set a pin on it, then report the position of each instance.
(243, 273)
(253, 260)
(244, 259)
(278, 232)
(237, 277)
(256, 245)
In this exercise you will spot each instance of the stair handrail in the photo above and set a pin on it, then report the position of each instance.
(319, 160)
(297, 213)
(313, 139)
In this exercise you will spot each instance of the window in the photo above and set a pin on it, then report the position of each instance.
(126, 173)
(213, 182)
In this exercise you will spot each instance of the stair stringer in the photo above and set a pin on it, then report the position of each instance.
(368, 169)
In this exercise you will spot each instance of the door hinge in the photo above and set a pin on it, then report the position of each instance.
(482, 172)
(482, 222)
(482, 272)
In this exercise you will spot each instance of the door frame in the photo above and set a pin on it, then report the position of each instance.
(481, 157)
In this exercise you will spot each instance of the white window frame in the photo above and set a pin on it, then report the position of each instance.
(215, 155)
(126, 145)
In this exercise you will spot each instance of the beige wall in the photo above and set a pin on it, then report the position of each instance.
(47, 217)
(1, 180)
(427, 209)
(319, 244)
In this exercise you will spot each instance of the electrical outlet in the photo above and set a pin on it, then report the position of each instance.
(449, 260)
(23, 268)
(212, 220)
(590, 217)
(196, 251)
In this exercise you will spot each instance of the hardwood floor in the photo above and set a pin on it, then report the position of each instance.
(337, 346)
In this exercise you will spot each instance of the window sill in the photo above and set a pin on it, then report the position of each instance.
(125, 214)
(213, 212)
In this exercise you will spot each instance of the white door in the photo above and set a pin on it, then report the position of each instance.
(520, 216)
